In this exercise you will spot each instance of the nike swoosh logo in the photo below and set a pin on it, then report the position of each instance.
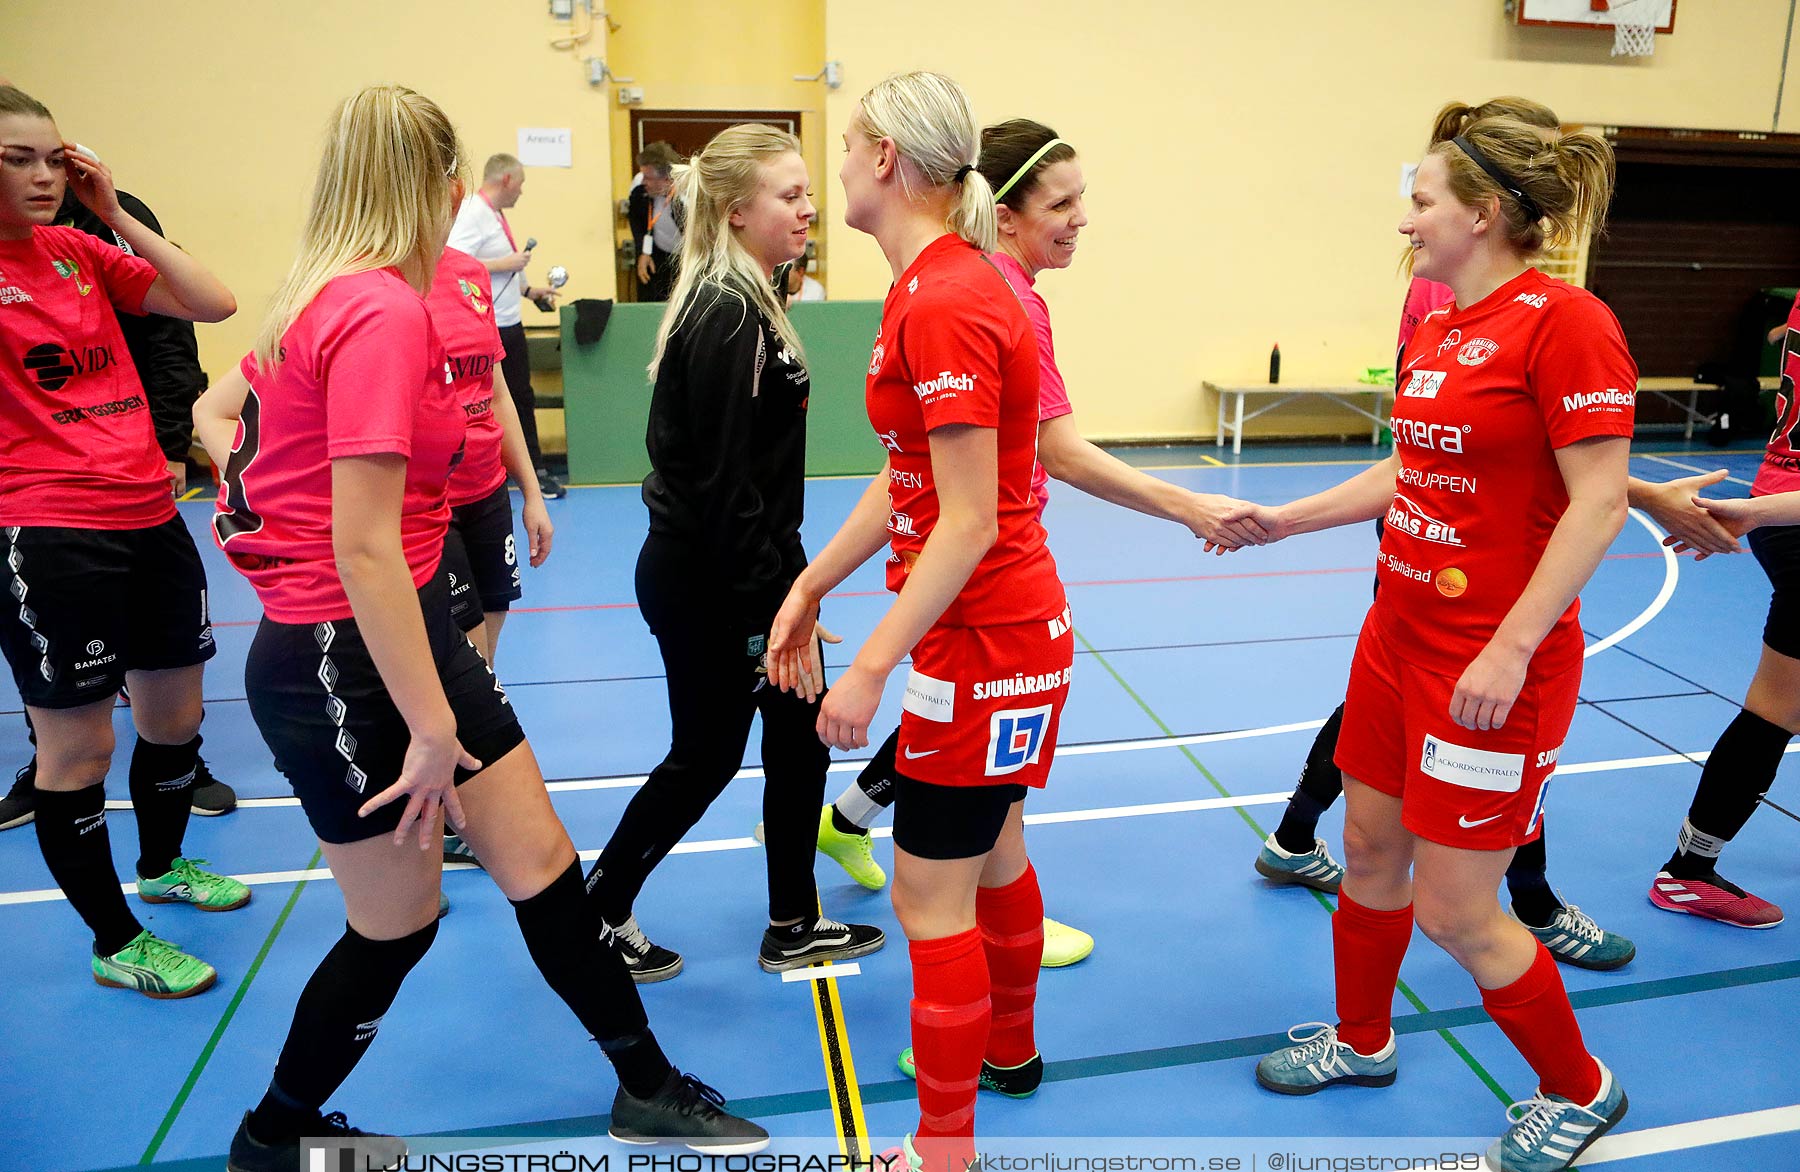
(1468, 825)
(912, 756)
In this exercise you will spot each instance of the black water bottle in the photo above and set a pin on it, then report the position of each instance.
(1275, 363)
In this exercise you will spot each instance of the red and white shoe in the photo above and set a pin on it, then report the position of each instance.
(1723, 901)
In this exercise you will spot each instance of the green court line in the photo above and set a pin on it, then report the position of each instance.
(1100, 1066)
(1481, 1072)
(212, 1043)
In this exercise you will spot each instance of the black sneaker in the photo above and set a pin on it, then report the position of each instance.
(825, 940)
(458, 851)
(550, 486)
(248, 1154)
(210, 797)
(646, 962)
(20, 802)
(688, 1111)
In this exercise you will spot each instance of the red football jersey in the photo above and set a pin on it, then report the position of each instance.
(361, 373)
(955, 347)
(462, 312)
(1780, 471)
(77, 447)
(1485, 397)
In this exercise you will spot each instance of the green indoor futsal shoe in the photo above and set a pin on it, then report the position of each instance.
(154, 968)
(185, 882)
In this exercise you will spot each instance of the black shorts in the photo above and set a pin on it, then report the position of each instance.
(85, 606)
(950, 821)
(1777, 550)
(321, 706)
(482, 558)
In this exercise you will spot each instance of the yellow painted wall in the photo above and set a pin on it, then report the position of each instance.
(1243, 159)
(213, 111)
(721, 55)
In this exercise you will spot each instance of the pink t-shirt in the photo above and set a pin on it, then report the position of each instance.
(1422, 297)
(76, 444)
(1053, 396)
(462, 312)
(361, 372)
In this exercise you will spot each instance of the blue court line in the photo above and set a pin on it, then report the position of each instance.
(1103, 1065)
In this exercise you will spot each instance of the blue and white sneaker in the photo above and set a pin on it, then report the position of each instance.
(458, 851)
(1315, 869)
(1549, 1133)
(1321, 1060)
(1574, 938)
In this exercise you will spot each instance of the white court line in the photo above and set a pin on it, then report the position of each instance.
(1677, 1137)
(822, 972)
(1671, 574)
(1691, 468)
(714, 845)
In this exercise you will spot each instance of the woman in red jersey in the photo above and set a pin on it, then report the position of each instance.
(1512, 425)
(103, 584)
(337, 436)
(953, 393)
(480, 548)
(1743, 763)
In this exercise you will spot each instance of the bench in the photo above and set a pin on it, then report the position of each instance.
(1347, 395)
(1671, 389)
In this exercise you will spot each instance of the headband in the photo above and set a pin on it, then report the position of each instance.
(1506, 181)
(1026, 169)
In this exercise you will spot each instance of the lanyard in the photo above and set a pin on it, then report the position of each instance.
(504, 226)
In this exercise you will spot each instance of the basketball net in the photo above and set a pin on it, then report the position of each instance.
(1634, 29)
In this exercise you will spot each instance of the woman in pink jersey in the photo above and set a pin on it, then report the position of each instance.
(1040, 212)
(953, 395)
(479, 546)
(1507, 484)
(103, 584)
(338, 435)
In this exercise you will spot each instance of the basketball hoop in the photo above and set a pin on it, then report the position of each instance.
(1634, 28)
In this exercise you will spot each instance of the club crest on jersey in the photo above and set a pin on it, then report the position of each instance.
(1424, 384)
(1016, 738)
(1477, 352)
(67, 269)
(876, 359)
(473, 294)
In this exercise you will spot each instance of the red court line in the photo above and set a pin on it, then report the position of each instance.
(1615, 557)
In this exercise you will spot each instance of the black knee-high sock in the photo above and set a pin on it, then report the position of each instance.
(71, 831)
(1737, 774)
(162, 787)
(562, 933)
(1320, 784)
(855, 811)
(334, 1022)
(1532, 899)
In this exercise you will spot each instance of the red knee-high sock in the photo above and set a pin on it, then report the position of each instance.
(1535, 1015)
(950, 1013)
(1367, 947)
(1011, 919)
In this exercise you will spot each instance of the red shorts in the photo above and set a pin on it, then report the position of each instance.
(983, 704)
(1458, 786)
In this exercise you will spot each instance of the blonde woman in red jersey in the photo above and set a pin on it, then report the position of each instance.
(953, 391)
(338, 434)
(103, 586)
(1508, 482)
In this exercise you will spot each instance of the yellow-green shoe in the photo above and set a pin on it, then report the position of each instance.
(185, 882)
(1063, 945)
(852, 852)
(155, 968)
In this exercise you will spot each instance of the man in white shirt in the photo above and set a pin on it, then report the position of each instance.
(481, 231)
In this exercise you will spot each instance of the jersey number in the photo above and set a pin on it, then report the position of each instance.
(235, 516)
(1790, 410)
